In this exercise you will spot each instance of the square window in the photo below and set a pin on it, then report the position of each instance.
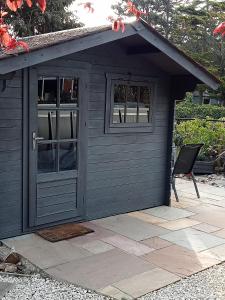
(129, 104)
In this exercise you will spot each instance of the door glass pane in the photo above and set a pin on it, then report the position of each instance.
(47, 124)
(68, 125)
(144, 105)
(69, 91)
(132, 99)
(47, 161)
(119, 103)
(47, 91)
(67, 156)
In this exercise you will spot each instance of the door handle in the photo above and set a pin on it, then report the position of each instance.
(35, 139)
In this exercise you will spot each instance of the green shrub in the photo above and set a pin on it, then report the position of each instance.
(211, 134)
(189, 110)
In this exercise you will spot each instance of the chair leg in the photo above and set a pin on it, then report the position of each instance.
(174, 189)
(195, 184)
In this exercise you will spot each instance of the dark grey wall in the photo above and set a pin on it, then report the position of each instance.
(125, 172)
(11, 157)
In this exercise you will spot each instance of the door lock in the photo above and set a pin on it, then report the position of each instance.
(35, 139)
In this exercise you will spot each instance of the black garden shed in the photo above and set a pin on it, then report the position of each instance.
(86, 121)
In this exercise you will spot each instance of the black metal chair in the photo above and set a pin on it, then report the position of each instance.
(185, 163)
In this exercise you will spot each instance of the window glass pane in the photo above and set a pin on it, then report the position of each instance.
(47, 158)
(69, 91)
(131, 109)
(47, 124)
(144, 105)
(68, 125)
(67, 156)
(47, 90)
(119, 103)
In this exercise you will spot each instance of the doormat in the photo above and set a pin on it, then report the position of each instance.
(63, 232)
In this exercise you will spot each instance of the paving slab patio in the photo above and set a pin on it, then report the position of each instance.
(220, 233)
(97, 246)
(130, 227)
(207, 228)
(146, 282)
(101, 270)
(156, 243)
(115, 293)
(133, 254)
(193, 239)
(216, 252)
(168, 213)
(179, 224)
(181, 261)
(128, 245)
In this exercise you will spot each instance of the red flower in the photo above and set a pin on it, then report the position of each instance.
(220, 29)
(133, 10)
(14, 4)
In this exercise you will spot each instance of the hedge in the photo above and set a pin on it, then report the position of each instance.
(212, 134)
(190, 110)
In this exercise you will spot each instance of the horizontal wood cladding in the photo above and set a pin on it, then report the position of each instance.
(56, 198)
(125, 171)
(11, 157)
(123, 200)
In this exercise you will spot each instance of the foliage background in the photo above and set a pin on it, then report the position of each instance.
(30, 21)
(189, 24)
(202, 131)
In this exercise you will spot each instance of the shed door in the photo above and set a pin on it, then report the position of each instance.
(56, 164)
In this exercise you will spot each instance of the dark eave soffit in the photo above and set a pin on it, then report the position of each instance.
(180, 58)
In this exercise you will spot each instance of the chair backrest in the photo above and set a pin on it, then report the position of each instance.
(186, 158)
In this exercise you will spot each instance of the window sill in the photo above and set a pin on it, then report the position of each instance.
(129, 128)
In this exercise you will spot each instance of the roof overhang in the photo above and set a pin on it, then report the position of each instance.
(96, 38)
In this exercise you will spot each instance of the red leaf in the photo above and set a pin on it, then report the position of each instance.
(133, 10)
(23, 45)
(3, 14)
(14, 4)
(29, 3)
(220, 29)
(42, 4)
(88, 6)
(117, 24)
(13, 44)
(5, 37)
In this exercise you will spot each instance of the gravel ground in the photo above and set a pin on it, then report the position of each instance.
(38, 288)
(207, 285)
(214, 179)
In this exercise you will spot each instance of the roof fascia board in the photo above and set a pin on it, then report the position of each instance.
(175, 55)
(41, 55)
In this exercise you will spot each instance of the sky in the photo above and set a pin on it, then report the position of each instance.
(102, 11)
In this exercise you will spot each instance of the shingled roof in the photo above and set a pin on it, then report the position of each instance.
(48, 46)
(40, 41)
